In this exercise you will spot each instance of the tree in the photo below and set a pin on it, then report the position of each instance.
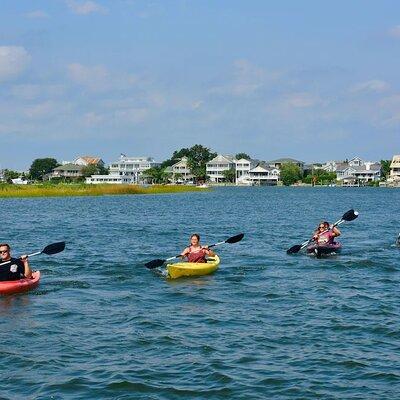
(9, 175)
(156, 175)
(290, 173)
(320, 176)
(385, 166)
(41, 167)
(229, 175)
(177, 155)
(242, 155)
(197, 159)
(93, 169)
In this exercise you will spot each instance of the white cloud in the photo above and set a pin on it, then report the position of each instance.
(374, 85)
(95, 78)
(37, 14)
(92, 119)
(394, 32)
(132, 115)
(46, 109)
(35, 91)
(85, 7)
(301, 100)
(13, 61)
(247, 79)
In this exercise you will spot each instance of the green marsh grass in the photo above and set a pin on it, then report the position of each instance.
(66, 190)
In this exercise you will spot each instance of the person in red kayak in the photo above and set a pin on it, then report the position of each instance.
(196, 253)
(325, 235)
(13, 269)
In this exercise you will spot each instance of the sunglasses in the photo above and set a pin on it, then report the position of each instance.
(3, 251)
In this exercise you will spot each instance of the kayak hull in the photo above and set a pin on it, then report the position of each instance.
(20, 286)
(178, 270)
(324, 250)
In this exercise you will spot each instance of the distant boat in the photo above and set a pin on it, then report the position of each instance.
(203, 186)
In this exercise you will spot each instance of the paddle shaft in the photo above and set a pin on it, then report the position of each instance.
(29, 255)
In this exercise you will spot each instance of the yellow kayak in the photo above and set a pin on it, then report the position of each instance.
(180, 269)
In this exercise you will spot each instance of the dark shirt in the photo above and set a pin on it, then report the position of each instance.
(13, 270)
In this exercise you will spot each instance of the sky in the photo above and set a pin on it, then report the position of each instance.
(311, 80)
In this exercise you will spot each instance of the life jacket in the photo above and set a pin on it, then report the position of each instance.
(197, 257)
(326, 238)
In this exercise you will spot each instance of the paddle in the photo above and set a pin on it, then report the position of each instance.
(158, 262)
(347, 216)
(53, 248)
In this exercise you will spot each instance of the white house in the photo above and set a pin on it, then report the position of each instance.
(243, 168)
(368, 172)
(263, 175)
(394, 176)
(180, 171)
(114, 179)
(216, 167)
(125, 170)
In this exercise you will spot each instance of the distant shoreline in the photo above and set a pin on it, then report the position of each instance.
(76, 190)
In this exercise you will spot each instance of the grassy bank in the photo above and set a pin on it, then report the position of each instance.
(66, 190)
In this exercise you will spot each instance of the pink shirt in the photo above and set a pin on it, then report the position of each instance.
(326, 238)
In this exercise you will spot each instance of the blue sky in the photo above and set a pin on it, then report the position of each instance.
(306, 79)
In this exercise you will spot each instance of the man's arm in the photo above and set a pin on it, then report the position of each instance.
(27, 269)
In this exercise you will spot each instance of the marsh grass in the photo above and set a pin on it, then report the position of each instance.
(67, 190)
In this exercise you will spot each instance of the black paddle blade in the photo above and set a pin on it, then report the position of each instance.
(235, 239)
(154, 264)
(54, 248)
(294, 249)
(350, 215)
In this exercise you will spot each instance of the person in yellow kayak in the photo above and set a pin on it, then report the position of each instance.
(324, 234)
(196, 253)
(13, 269)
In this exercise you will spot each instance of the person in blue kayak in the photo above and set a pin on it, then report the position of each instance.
(325, 234)
(13, 269)
(196, 253)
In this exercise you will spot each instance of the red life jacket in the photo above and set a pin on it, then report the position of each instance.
(197, 257)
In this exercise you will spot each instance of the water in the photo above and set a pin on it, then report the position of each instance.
(265, 325)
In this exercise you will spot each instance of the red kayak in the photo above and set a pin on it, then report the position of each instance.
(20, 286)
(324, 250)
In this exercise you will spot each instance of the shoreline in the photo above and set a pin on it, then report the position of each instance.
(77, 190)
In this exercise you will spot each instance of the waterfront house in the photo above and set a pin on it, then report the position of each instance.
(242, 168)
(216, 167)
(112, 179)
(263, 175)
(278, 163)
(180, 172)
(125, 170)
(359, 174)
(394, 176)
(66, 171)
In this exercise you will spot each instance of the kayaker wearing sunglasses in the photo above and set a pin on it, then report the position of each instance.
(196, 253)
(14, 268)
(325, 235)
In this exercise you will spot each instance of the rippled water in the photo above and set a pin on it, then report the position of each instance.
(265, 325)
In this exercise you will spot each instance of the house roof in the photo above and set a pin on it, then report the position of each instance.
(89, 159)
(285, 160)
(222, 158)
(69, 167)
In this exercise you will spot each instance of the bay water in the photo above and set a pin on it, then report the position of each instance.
(265, 325)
